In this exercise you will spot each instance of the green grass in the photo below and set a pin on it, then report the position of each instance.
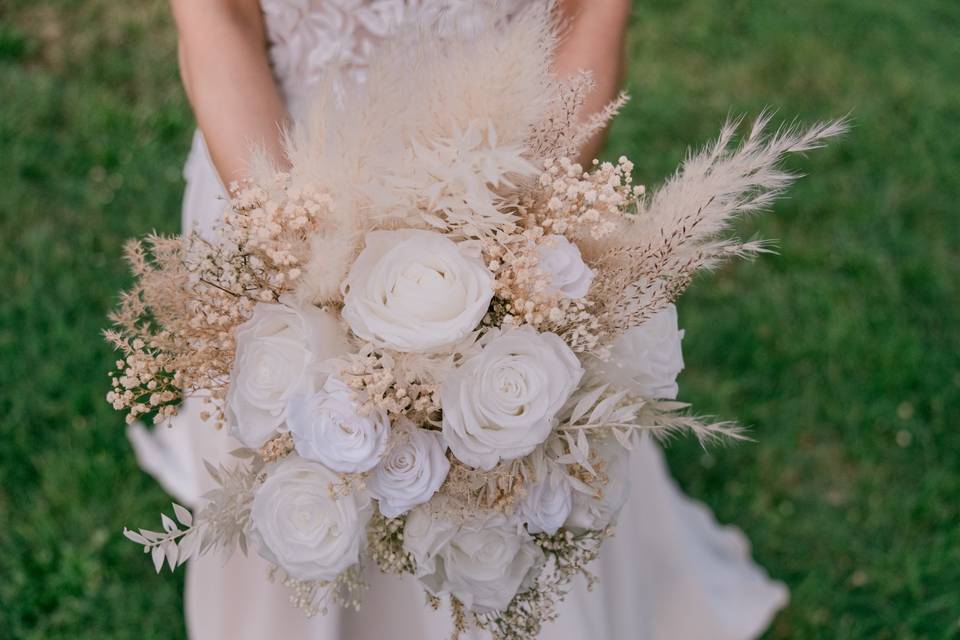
(841, 353)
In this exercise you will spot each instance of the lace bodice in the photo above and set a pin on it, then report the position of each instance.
(308, 38)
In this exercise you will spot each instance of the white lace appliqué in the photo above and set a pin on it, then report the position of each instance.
(308, 38)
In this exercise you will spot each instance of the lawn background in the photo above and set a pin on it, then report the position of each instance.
(841, 353)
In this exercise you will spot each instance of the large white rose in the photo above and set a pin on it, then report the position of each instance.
(591, 512)
(413, 290)
(276, 349)
(501, 403)
(411, 472)
(327, 426)
(560, 259)
(482, 563)
(297, 524)
(648, 358)
(547, 504)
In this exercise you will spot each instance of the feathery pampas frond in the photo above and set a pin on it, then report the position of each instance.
(678, 231)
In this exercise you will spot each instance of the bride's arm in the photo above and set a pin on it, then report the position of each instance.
(224, 67)
(594, 41)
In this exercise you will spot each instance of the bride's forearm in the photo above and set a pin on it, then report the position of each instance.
(594, 41)
(226, 73)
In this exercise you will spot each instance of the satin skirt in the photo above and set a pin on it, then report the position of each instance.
(670, 572)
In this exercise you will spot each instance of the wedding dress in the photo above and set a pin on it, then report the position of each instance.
(670, 572)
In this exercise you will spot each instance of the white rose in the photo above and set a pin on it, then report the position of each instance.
(297, 525)
(276, 348)
(424, 536)
(560, 259)
(501, 403)
(413, 290)
(411, 472)
(592, 512)
(547, 504)
(648, 358)
(482, 563)
(327, 426)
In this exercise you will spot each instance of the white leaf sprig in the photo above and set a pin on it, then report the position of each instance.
(174, 545)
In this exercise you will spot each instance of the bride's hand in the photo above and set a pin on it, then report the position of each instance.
(226, 73)
(594, 41)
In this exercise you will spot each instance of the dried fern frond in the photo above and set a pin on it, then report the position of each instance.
(600, 411)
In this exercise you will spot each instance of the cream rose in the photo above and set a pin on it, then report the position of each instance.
(547, 504)
(482, 563)
(297, 525)
(411, 472)
(276, 348)
(327, 426)
(413, 290)
(560, 259)
(501, 403)
(592, 512)
(648, 358)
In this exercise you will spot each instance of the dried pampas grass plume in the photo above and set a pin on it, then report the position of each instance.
(680, 230)
(330, 257)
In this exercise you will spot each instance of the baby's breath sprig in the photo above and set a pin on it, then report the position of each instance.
(582, 204)
(402, 384)
(385, 544)
(278, 447)
(313, 597)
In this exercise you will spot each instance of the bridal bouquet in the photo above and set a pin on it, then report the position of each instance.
(436, 336)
